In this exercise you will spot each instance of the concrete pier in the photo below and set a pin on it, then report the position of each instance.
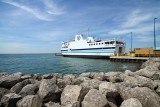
(128, 59)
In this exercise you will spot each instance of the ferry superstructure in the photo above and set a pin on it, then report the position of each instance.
(89, 47)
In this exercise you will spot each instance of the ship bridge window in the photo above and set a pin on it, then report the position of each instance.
(112, 42)
(107, 43)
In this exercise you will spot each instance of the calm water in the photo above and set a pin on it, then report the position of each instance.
(48, 63)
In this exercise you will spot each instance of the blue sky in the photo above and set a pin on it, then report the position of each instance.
(39, 26)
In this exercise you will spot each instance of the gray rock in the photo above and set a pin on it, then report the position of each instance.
(112, 102)
(26, 76)
(10, 99)
(61, 83)
(47, 76)
(30, 101)
(98, 75)
(91, 84)
(10, 80)
(86, 74)
(29, 89)
(138, 81)
(150, 62)
(146, 96)
(52, 104)
(57, 76)
(3, 91)
(108, 89)
(79, 80)
(37, 77)
(18, 87)
(113, 77)
(94, 98)
(49, 91)
(157, 83)
(150, 69)
(129, 73)
(68, 78)
(71, 95)
(3, 74)
(132, 102)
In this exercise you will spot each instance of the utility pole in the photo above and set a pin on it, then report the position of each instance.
(131, 41)
(154, 39)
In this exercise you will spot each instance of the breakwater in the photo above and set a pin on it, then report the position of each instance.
(91, 89)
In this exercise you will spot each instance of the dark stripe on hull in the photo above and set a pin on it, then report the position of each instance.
(91, 48)
(87, 56)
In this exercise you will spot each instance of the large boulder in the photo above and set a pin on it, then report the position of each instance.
(94, 98)
(68, 78)
(150, 62)
(150, 69)
(146, 96)
(85, 74)
(157, 82)
(52, 104)
(30, 101)
(26, 76)
(79, 80)
(37, 76)
(132, 102)
(10, 80)
(30, 89)
(61, 83)
(3, 91)
(98, 75)
(10, 100)
(113, 77)
(18, 87)
(129, 73)
(112, 102)
(3, 73)
(57, 75)
(108, 89)
(47, 76)
(71, 95)
(91, 84)
(49, 91)
(140, 81)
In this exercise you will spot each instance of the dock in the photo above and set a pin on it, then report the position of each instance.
(128, 59)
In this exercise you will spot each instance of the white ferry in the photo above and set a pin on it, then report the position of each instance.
(89, 47)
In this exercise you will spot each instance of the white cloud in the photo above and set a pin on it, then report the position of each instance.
(52, 8)
(144, 38)
(136, 18)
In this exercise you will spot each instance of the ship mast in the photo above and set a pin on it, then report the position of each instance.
(88, 32)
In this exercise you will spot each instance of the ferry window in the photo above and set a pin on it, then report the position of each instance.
(96, 43)
(99, 43)
(106, 42)
(102, 43)
(112, 42)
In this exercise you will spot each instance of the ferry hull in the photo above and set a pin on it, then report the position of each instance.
(88, 55)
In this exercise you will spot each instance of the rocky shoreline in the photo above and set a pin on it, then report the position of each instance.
(92, 89)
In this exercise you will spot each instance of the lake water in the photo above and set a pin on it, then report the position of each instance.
(49, 63)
